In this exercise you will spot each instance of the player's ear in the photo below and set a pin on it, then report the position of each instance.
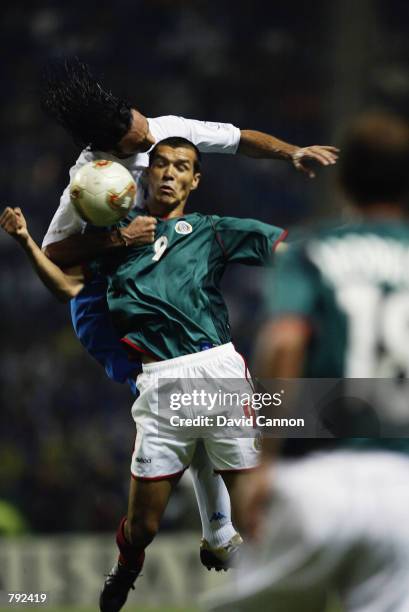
(196, 181)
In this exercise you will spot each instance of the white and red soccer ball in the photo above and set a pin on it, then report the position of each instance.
(102, 192)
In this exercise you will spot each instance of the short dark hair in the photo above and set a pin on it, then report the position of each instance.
(374, 160)
(93, 116)
(177, 142)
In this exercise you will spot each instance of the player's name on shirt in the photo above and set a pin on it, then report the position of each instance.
(371, 258)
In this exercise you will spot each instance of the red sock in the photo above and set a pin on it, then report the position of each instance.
(129, 555)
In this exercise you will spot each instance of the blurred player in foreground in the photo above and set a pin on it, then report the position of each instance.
(184, 333)
(110, 128)
(337, 521)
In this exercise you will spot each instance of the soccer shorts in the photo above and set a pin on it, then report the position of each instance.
(337, 523)
(157, 455)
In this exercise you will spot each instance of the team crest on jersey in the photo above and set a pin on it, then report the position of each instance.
(183, 227)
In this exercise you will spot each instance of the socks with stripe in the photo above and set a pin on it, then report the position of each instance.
(129, 556)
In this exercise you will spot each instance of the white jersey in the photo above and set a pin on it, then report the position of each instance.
(208, 136)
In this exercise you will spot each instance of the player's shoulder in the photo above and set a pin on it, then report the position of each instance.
(225, 221)
(163, 119)
(196, 219)
(330, 245)
(198, 216)
(306, 239)
(362, 228)
(217, 222)
(166, 125)
(322, 232)
(248, 226)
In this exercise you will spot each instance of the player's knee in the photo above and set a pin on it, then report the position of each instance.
(151, 528)
(142, 530)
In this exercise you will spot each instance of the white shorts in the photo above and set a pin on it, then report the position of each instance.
(338, 522)
(156, 455)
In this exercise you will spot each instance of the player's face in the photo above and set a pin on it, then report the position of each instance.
(138, 139)
(172, 175)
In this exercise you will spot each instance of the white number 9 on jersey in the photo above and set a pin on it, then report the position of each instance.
(159, 247)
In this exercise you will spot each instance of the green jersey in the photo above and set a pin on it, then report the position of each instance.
(351, 285)
(165, 298)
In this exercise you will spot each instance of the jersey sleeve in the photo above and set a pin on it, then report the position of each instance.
(208, 136)
(247, 241)
(293, 285)
(66, 220)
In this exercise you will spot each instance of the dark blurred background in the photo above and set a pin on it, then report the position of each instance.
(296, 70)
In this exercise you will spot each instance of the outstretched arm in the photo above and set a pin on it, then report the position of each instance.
(211, 137)
(64, 286)
(261, 145)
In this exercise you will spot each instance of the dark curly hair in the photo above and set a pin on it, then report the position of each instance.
(92, 115)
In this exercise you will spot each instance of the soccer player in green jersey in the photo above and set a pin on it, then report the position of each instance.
(110, 128)
(166, 304)
(339, 307)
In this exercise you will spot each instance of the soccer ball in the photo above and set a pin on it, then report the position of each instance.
(102, 192)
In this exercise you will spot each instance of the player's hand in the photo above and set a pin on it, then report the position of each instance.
(303, 158)
(13, 222)
(140, 231)
(255, 500)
